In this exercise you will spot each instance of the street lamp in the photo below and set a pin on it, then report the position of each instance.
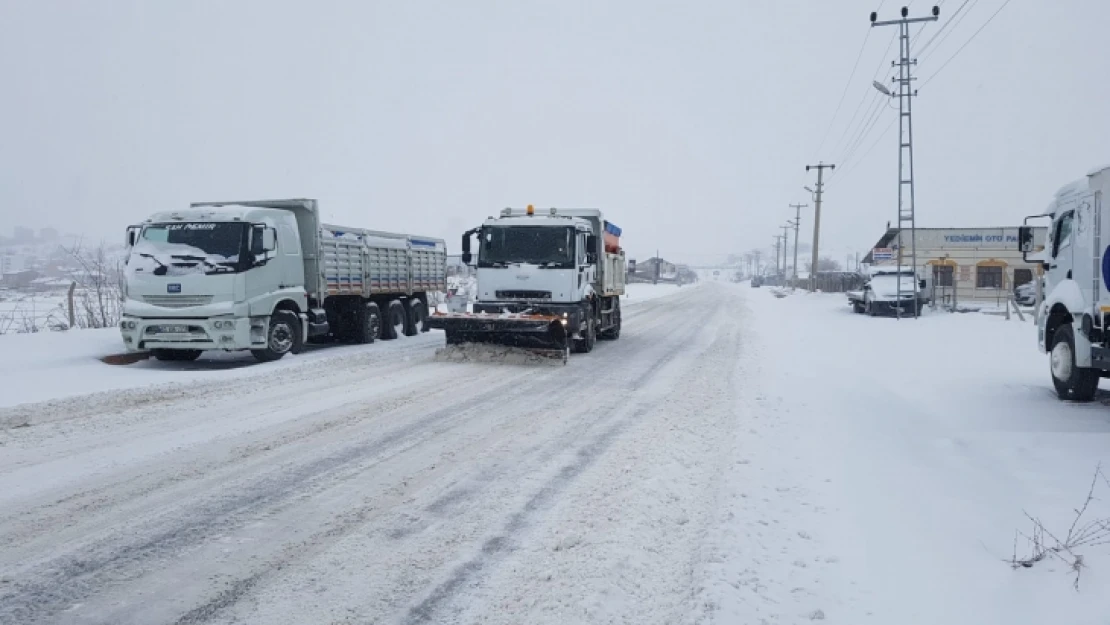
(881, 88)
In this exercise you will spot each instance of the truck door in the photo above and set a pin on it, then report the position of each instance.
(1061, 249)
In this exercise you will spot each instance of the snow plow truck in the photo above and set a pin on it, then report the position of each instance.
(547, 281)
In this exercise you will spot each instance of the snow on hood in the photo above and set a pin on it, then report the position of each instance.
(163, 253)
(887, 285)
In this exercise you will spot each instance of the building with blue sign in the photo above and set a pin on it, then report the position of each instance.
(964, 265)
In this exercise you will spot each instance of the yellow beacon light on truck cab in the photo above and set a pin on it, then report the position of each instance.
(531, 210)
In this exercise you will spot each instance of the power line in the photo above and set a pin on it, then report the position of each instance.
(865, 130)
(946, 24)
(869, 149)
(849, 129)
(972, 38)
(843, 93)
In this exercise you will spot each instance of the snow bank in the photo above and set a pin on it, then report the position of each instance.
(641, 292)
(884, 467)
(53, 365)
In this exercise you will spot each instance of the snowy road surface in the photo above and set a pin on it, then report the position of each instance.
(733, 458)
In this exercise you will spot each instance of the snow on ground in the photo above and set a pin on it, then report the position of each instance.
(52, 365)
(780, 461)
(883, 467)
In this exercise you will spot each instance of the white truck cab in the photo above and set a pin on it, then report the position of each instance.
(1072, 318)
(209, 278)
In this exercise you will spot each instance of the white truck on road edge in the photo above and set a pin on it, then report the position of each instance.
(1072, 319)
(268, 276)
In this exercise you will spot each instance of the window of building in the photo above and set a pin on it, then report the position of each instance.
(943, 275)
(1022, 276)
(988, 277)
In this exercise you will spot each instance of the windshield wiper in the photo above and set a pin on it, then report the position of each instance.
(161, 269)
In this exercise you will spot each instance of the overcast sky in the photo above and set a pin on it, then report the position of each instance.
(689, 123)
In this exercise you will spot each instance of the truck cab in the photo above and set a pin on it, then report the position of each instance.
(209, 278)
(1071, 319)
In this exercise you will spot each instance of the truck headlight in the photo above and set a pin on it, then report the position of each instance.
(128, 324)
(223, 324)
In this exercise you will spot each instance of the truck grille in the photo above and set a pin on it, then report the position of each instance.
(520, 294)
(177, 301)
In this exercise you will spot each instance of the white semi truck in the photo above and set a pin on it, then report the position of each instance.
(546, 280)
(1073, 316)
(268, 276)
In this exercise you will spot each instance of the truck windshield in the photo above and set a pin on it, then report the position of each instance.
(185, 248)
(538, 245)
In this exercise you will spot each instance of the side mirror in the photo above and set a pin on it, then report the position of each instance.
(591, 247)
(1025, 239)
(132, 236)
(263, 239)
(467, 257)
(921, 284)
(269, 240)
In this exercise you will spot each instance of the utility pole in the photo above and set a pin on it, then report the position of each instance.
(797, 224)
(785, 247)
(777, 272)
(906, 213)
(757, 255)
(820, 167)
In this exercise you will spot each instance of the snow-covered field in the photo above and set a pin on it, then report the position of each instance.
(733, 458)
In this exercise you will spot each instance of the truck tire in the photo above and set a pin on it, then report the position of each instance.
(1072, 383)
(393, 326)
(369, 324)
(585, 345)
(415, 315)
(176, 355)
(614, 332)
(282, 337)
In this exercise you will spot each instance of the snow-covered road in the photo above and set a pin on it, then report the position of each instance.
(376, 488)
(733, 458)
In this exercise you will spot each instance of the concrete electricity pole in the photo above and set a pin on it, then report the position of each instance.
(820, 167)
(778, 241)
(797, 224)
(785, 247)
(905, 94)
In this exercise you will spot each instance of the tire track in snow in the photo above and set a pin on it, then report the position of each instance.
(429, 609)
(540, 456)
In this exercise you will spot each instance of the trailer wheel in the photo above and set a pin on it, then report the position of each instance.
(416, 316)
(176, 355)
(1072, 383)
(395, 323)
(369, 324)
(585, 345)
(283, 337)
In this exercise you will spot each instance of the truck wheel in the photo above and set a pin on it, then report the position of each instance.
(1072, 383)
(176, 355)
(369, 324)
(283, 336)
(586, 345)
(394, 326)
(416, 315)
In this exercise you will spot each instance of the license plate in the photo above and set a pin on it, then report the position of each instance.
(170, 329)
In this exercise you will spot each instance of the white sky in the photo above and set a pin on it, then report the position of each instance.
(690, 123)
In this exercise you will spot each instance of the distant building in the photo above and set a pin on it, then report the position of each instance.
(12, 263)
(48, 235)
(963, 264)
(23, 235)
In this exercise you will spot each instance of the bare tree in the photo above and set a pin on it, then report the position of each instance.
(99, 297)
